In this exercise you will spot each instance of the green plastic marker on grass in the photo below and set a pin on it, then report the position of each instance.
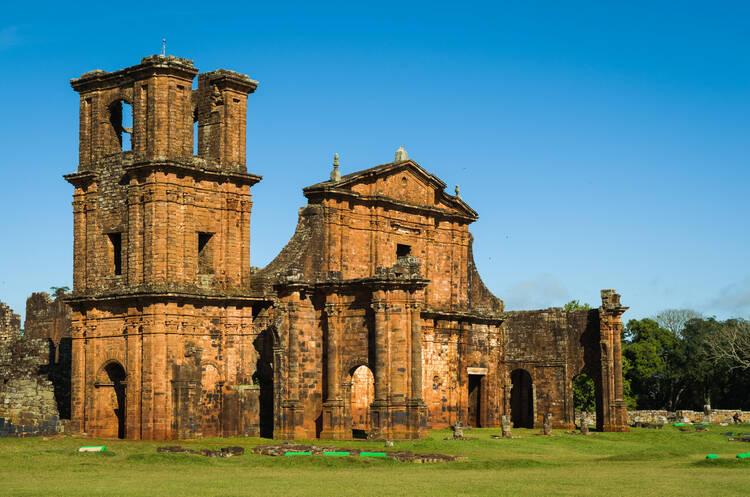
(373, 454)
(92, 448)
(298, 453)
(679, 424)
(335, 453)
(712, 456)
(746, 455)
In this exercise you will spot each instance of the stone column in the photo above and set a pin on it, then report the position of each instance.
(417, 408)
(293, 422)
(379, 408)
(613, 409)
(333, 407)
(416, 353)
(462, 375)
(78, 375)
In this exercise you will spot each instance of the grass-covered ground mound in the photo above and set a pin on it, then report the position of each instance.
(641, 463)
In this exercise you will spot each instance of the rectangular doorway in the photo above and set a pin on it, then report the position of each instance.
(475, 400)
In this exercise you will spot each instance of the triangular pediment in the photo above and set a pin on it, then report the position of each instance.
(404, 181)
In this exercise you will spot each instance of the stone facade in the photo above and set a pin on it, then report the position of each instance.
(372, 319)
(27, 398)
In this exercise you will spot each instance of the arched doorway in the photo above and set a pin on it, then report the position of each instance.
(522, 399)
(361, 397)
(110, 401)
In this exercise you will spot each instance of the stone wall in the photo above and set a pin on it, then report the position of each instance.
(47, 317)
(716, 416)
(27, 399)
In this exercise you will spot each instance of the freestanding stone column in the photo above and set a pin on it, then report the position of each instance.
(613, 409)
(333, 407)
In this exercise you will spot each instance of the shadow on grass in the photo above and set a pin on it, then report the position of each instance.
(722, 463)
(495, 464)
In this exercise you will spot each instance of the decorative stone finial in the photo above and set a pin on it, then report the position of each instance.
(457, 191)
(335, 174)
(401, 154)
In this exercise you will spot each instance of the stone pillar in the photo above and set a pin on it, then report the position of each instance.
(333, 407)
(462, 375)
(78, 376)
(379, 408)
(614, 410)
(417, 407)
(292, 408)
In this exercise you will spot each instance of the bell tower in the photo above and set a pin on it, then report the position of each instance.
(161, 272)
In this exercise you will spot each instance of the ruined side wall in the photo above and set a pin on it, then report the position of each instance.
(27, 403)
(47, 318)
(553, 346)
(451, 349)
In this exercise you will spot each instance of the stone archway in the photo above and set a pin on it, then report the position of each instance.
(110, 401)
(361, 396)
(522, 399)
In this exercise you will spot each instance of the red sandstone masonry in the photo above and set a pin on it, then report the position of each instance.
(173, 337)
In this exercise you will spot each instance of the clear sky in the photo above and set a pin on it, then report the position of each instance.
(604, 144)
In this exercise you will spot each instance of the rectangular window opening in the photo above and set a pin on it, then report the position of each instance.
(205, 259)
(402, 250)
(115, 243)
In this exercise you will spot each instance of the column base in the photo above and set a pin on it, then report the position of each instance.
(333, 421)
(293, 428)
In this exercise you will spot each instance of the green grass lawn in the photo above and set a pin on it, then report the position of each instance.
(641, 463)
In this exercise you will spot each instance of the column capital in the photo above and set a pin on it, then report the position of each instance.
(332, 310)
(378, 305)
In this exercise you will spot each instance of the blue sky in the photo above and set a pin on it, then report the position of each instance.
(604, 146)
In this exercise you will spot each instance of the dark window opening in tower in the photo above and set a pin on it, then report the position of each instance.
(195, 131)
(402, 250)
(205, 259)
(121, 119)
(115, 245)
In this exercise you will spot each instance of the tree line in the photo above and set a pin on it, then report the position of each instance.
(680, 359)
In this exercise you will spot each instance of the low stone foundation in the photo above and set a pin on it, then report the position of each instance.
(716, 416)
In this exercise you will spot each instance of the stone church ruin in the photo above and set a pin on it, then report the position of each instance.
(372, 321)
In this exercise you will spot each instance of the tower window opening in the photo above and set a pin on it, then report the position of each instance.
(121, 119)
(195, 131)
(402, 250)
(205, 259)
(115, 244)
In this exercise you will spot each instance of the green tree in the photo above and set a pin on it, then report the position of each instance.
(575, 305)
(59, 291)
(584, 393)
(652, 354)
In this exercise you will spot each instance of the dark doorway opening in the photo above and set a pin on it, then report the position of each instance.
(522, 399)
(475, 400)
(263, 377)
(116, 376)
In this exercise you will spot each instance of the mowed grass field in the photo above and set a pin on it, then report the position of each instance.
(640, 463)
